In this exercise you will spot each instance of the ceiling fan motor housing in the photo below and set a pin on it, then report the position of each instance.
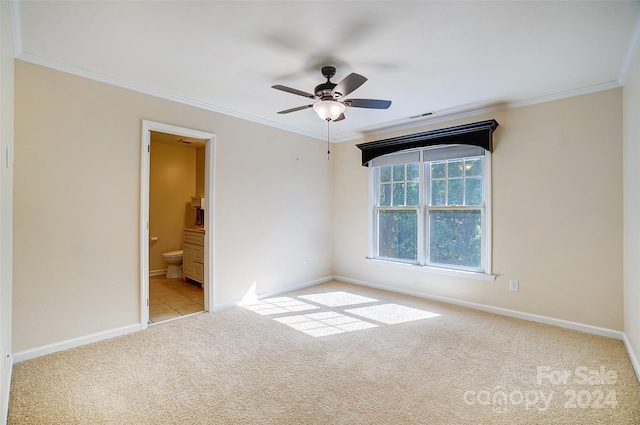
(323, 91)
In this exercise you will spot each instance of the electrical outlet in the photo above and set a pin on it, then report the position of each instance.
(306, 264)
(514, 285)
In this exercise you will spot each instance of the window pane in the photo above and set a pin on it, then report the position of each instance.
(438, 170)
(473, 167)
(455, 192)
(385, 174)
(438, 194)
(398, 194)
(455, 237)
(385, 195)
(473, 191)
(413, 171)
(398, 173)
(455, 168)
(413, 195)
(397, 234)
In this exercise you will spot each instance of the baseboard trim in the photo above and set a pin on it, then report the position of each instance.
(72, 343)
(275, 292)
(632, 355)
(88, 339)
(4, 416)
(595, 330)
(157, 272)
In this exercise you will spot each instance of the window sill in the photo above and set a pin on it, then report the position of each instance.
(436, 270)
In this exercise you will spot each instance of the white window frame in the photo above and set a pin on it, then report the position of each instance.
(483, 273)
(416, 208)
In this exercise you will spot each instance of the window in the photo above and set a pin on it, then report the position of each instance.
(430, 207)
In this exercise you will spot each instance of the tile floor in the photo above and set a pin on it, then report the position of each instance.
(171, 298)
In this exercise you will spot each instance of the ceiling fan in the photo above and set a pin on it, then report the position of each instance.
(331, 106)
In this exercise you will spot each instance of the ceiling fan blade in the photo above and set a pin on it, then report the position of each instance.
(340, 118)
(348, 84)
(368, 103)
(294, 91)
(299, 108)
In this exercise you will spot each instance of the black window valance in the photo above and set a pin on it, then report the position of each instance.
(475, 134)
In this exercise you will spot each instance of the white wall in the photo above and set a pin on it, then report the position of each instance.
(557, 214)
(275, 200)
(631, 126)
(77, 183)
(6, 202)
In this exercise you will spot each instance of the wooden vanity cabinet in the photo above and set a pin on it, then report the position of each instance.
(193, 255)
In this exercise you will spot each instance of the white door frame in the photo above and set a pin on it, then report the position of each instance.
(209, 193)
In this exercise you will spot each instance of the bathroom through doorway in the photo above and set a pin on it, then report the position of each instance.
(176, 255)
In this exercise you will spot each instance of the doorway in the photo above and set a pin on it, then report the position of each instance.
(173, 134)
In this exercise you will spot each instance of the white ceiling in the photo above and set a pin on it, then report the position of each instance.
(446, 57)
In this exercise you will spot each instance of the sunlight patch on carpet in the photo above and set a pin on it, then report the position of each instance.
(337, 299)
(323, 324)
(392, 314)
(277, 305)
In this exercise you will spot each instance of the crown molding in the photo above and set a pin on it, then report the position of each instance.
(69, 69)
(631, 53)
(614, 84)
(458, 113)
(16, 26)
(439, 116)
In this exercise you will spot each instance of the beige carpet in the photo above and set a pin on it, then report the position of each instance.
(383, 359)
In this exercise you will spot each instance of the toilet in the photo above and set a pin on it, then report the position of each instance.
(174, 260)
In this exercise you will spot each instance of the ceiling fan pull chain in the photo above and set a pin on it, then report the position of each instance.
(328, 149)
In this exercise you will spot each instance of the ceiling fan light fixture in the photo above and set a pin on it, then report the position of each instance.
(329, 109)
